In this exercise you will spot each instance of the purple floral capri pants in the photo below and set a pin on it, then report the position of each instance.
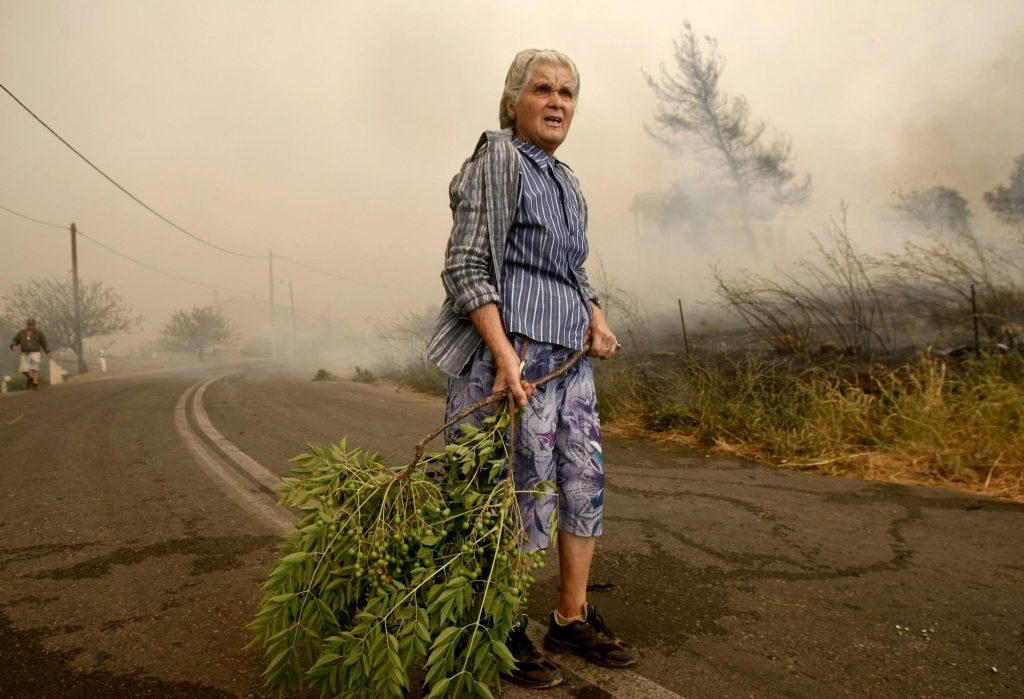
(558, 438)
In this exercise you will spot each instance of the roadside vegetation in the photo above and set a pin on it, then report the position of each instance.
(199, 330)
(907, 367)
(404, 361)
(929, 420)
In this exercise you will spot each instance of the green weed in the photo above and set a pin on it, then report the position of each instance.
(924, 421)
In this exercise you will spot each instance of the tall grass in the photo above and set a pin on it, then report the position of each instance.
(419, 374)
(927, 421)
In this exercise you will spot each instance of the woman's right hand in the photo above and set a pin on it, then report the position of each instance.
(508, 374)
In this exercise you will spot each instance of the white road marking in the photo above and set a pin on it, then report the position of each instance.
(621, 684)
(243, 492)
(258, 471)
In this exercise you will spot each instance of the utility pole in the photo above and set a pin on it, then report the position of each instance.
(291, 297)
(273, 338)
(77, 339)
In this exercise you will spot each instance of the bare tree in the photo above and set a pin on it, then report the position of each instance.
(52, 303)
(829, 298)
(694, 114)
(623, 309)
(199, 330)
(936, 270)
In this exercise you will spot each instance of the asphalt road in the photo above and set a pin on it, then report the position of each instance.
(136, 525)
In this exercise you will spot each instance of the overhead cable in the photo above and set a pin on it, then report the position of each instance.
(159, 271)
(164, 218)
(34, 220)
(332, 274)
(110, 179)
(118, 252)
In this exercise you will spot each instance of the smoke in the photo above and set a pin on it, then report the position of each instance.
(328, 132)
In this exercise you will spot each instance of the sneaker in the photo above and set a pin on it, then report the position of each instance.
(532, 669)
(592, 639)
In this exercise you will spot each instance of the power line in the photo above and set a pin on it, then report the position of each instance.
(34, 220)
(121, 254)
(336, 276)
(159, 271)
(110, 179)
(167, 220)
(173, 276)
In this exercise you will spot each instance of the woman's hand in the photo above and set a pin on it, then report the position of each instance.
(507, 374)
(603, 343)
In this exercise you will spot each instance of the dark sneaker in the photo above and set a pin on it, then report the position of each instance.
(532, 669)
(592, 639)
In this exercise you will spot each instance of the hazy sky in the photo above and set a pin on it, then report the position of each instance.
(328, 131)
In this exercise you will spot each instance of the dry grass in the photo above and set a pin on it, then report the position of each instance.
(925, 422)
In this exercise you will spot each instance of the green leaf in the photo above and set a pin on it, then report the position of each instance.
(278, 659)
(445, 637)
(325, 659)
(297, 557)
(484, 690)
(439, 689)
(326, 611)
(503, 653)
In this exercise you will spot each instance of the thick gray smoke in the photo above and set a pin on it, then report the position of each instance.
(327, 132)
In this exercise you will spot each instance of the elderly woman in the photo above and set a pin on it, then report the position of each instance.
(514, 276)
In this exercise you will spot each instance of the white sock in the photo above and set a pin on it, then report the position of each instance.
(565, 621)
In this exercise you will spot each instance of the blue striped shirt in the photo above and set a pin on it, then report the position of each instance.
(541, 297)
(483, 198)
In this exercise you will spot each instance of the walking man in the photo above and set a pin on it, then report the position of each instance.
(30, 341)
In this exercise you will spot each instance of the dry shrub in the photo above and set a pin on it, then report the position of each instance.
(927, 421)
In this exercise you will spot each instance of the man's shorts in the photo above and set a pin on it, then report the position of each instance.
(558, 439)
(30, 361)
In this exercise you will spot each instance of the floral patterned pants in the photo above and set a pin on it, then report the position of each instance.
(558, 439)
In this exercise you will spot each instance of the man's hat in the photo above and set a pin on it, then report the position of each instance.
(30, 321)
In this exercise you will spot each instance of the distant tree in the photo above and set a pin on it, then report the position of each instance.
(953, 266)
(937, 207)
(1007, 201)
(52, 303)
(199, 330)
(694, 114)
(8, 328)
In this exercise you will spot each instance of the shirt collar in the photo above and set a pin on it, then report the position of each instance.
(534, 153)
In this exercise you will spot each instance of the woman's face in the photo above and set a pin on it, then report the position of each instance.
(544, 111)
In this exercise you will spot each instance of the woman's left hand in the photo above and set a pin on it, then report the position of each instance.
(602, 341)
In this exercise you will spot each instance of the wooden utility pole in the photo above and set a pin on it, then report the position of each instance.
(291, 297)
(273, 332)
(77, 339)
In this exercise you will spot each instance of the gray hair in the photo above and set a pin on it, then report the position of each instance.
(519, 74)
